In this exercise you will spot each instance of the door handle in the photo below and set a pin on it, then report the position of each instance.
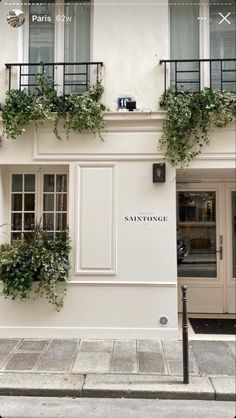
(220, 251)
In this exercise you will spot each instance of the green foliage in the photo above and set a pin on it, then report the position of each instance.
(78, 113)
(189, 118)
(38, 258)
(81, 113)
(17, 112)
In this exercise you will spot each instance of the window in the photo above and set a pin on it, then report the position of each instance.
(38, 197)
(59, 32)
(54, 202)
(196, 33)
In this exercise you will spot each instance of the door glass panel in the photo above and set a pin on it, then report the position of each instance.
(196, 234)
(233, 201)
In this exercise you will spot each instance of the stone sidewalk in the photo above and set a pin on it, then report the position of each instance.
(134, 368)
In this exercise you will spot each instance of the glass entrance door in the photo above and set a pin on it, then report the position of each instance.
(206, 246)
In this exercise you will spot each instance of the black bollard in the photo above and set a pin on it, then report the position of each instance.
(185, 336)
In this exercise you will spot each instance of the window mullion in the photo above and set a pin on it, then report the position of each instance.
(38, 200)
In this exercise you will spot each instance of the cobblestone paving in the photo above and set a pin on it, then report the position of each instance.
(115, 356)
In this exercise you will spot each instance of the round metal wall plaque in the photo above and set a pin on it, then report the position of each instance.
(16, 18)
(163, 320)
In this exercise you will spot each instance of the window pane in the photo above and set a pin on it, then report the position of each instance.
(184, 31)
(16, 221)
(16, 236)
(196, 238)
(60, 221)
(61, 182)
(16, 202)
(48, 202)
(29, 182)
(77, 31)
(77, 43)
(48, 183)
(48, 221)
(41, 34)
(61, 200)
(29, 202)
(184, 44)
(223, 43)
(17, 183)
(28, 221)
(222, 36)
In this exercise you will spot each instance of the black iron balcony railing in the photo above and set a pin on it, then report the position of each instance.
(194, 75)
(70, 77)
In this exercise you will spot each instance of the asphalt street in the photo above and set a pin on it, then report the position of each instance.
(36, 407)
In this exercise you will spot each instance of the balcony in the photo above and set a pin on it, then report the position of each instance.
(67, 77)
(194, 75)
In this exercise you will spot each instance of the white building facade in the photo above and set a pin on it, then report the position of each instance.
(124, 227)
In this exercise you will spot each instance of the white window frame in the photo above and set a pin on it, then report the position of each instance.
(204, 42)
(59, 40)
(39, 173)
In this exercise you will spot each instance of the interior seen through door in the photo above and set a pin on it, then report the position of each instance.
(196, 234)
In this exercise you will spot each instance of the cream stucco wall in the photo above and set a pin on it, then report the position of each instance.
(137, 282)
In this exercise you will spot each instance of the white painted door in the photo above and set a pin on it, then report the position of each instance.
(206, 229)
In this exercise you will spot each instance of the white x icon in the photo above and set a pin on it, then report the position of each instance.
(225, 18)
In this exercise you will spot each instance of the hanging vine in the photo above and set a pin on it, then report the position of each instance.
(188, 120)
(77, 112)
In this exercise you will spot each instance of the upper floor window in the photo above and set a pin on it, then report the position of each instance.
(203, 30)
(59, 31)
(200, 31)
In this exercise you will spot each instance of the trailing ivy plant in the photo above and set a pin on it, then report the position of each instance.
(41, 259)
(78, 112)
(188, 120)
(81, 112)
(17, 112)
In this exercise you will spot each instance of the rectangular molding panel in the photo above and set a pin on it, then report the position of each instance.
(96, 223)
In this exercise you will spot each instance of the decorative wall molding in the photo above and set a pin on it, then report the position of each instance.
(96, 219)
(121, 283)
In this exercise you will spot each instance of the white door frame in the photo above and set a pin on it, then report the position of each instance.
(230, 281)
(207, 294)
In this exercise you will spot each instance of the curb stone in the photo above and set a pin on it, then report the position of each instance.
(147, 386)
(224, 387)
(32, 384)
(116, 386)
